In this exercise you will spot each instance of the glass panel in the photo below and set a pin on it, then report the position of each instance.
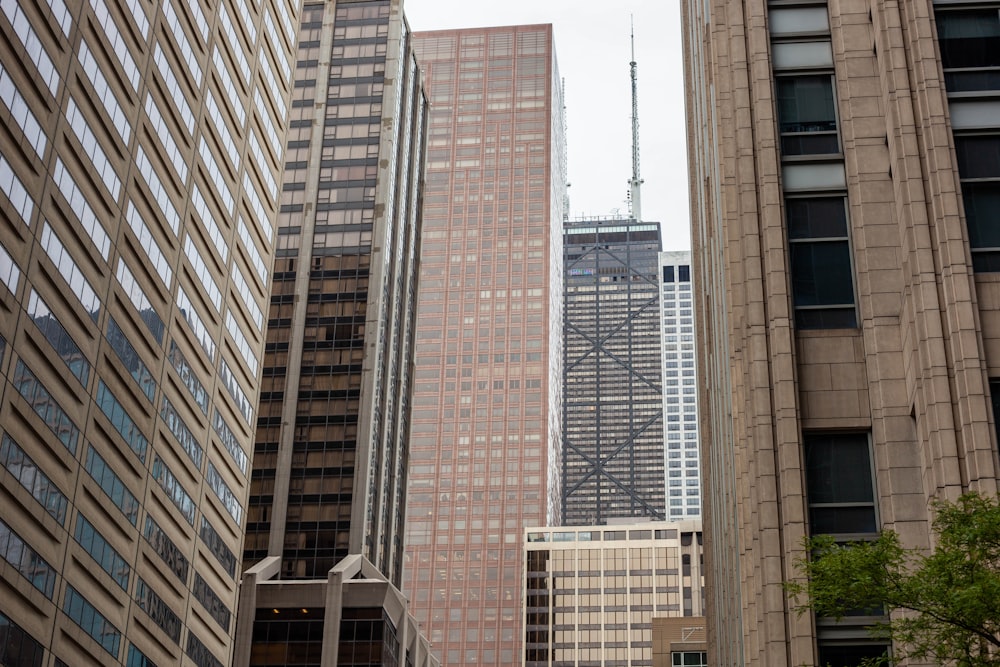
(849, 655)
(802, 54)
(826, 318)
(842, 520)
(791, 20)
(816, 217)
(974, 114)
(797, 177)
(838, 468)
(969, 38)
(806, 103)
(978, 156)
(982, 210)
(821, 273)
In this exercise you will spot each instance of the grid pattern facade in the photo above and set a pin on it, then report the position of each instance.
(486, 413)
(330, 456)
(680, 395)
(848, 290)
(340, 324)
(613, 453)
(591, 594)
(138, 162)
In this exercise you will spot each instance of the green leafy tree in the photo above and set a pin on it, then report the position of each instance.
(950, 598)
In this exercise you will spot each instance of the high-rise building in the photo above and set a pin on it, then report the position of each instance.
(138, 164)
(845, 183)
(485, 446)
(613, 464)
(680, 394)
(324, 539)
(592, 595)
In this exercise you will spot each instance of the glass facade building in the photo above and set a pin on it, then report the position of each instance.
(324, 536)
(486, 416)
(613, 460)
(138, 165)
(593, 595)
(680, 395)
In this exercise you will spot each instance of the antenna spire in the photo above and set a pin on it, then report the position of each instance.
(635, 183)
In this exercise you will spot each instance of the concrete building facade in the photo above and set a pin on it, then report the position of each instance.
(844, 185)
(613, 449)
(680, 394)
(593, 595)
(324, 538)
(139, 155)
(484, 451)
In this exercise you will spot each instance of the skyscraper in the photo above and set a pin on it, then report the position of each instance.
(486, 412)
(613, 463)
(324, 544)
(138, 165)
(844, 184)
(680, 400)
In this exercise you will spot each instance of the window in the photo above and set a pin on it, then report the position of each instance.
(165, 548)
(26, 561)
(979, 171)
(158, 610)
(690, 659)
(57, 336)
(174, 490)
(92, 621)
(970, 48)
(46, 407)
(24, 469)
(120, 419)
(846, 653)
(807, 114)
(112, 485)
(18, 648)
(101, 551)
(199, 653)
(839, 486)
(820, 255)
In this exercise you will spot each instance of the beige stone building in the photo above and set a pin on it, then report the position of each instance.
(845, 171)
(600, 596)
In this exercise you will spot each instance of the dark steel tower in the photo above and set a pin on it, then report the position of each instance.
(612, 390)
(324, 540)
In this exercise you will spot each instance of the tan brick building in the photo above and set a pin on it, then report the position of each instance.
(139, 154)
(845, 170)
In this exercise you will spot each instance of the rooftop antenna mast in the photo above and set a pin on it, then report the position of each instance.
(635, 183)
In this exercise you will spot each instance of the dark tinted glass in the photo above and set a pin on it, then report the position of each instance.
(849, 655)
(810, 144)
(969, 38)
(816, 217)
(842, 520)
(982, 211)
(838, 468)
(821, 273)
(978, 156)
(805, 103)
(826, 318)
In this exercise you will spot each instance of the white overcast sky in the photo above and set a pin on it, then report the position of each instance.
(592, 47)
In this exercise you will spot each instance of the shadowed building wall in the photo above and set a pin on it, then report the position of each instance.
(324, 545)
